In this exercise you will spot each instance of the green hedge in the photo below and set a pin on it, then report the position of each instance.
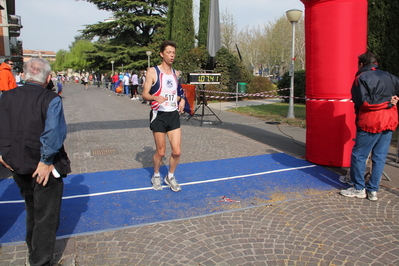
(260, 84)
(299, 86)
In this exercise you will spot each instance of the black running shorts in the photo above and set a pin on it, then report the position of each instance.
(165, 121)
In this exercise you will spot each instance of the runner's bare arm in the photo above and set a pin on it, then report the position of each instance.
(149, 81)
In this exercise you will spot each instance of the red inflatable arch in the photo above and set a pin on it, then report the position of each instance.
(336, 33)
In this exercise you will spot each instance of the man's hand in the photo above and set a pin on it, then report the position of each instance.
(160, 99)
(42, 173)
(394, 100)
(4, 164)
(181, 105)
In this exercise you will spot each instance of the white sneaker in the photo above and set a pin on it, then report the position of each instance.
(156, 182)
(172, 183)
(353, 193)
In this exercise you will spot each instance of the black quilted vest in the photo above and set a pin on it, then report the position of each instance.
(23, 113)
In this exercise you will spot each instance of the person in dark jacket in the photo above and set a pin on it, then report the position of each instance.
(375, 95)
(32, 132)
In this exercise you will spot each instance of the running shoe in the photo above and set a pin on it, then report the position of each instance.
(345, 179)
(172, 183)
(353, 193)
(372, 195)
(156, 182)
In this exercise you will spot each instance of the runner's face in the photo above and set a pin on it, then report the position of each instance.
(168, 55)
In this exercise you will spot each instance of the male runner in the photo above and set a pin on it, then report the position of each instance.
(167, 99)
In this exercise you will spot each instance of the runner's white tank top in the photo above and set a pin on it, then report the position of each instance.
(165, 85)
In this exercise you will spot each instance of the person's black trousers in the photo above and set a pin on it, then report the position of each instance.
(42, 205)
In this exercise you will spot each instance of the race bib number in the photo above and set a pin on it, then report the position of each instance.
(171, 101)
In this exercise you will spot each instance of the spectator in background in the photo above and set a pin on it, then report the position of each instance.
(98, 78)
(50, 84)
(141, 85)
(181, 79)
(126, 84)
(106, 81)
(115, 79)
(135, 84)
(7, 79)
(18, 77)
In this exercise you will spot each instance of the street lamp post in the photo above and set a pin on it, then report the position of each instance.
(112, 63)
(148, 56)
(293, 15)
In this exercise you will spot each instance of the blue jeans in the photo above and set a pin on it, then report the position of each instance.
(378, 145)
(127, 89)
(42, 205)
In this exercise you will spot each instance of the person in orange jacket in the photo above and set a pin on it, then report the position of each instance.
(7, 79)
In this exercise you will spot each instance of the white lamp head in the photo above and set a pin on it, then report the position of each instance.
(294, 15)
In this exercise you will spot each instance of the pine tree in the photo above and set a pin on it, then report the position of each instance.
(125, 38)
(383, 34)
(180, 25)
(203, 23)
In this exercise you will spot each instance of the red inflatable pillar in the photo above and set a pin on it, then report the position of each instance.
(336, 34)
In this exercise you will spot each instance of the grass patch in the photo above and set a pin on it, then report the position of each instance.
(276, 112)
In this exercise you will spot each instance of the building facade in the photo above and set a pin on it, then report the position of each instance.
(47, 55)
(10, 28)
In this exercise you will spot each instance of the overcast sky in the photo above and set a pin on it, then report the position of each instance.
(51, 25)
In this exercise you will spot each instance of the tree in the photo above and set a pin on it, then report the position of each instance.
(228, 30)
(300, 86)
(80, 37)
(278, 39)
(180, 26)
(134, 22)
(251, 43)
(203, 23)
(75, 59)
(59, 63)
(300, 45)
(383, 35)
(124, 39)
(269, 46)
(196, 59)
(231, 69)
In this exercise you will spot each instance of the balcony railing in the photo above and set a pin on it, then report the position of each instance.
(14, 25)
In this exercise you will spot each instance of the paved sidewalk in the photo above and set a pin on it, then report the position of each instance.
(108, 132)
(274, 132)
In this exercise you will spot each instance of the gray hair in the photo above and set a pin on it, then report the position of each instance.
(37, 69)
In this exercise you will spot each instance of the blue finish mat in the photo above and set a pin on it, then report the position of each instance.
(116, 199)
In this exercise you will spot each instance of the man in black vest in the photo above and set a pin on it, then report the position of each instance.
(32, 132)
